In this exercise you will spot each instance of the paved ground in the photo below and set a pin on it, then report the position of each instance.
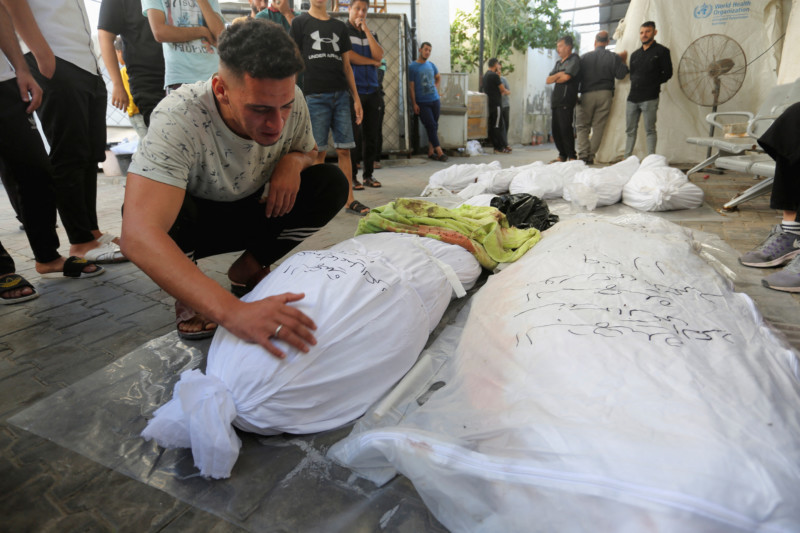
(79, 327)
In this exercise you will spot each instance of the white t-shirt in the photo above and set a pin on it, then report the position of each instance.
(6, 70)
(188, 145)
(191, 61)
(65, 26)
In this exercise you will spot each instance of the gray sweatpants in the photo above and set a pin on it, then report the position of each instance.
(592, 115)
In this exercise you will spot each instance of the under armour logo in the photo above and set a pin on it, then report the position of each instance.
(319, 40)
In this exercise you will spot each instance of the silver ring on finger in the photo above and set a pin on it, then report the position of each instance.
(277, 330)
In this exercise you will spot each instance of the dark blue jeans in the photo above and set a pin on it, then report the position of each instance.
(429, 115)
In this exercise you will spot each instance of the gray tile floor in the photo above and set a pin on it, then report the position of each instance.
(80, 326)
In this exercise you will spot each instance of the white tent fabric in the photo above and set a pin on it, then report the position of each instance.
(610, 380)
(789, 69)
(655, 186)
(754, 25)
(374, 298)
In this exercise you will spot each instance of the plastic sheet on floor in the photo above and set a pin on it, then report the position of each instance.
(279, 483)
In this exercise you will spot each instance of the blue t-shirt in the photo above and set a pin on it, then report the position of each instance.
(424, 77)
(191, 61)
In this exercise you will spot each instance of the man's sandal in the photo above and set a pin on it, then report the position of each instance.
(185, 314)
(370, 182)
(357, 208)
(73, 269)
(357, 185)
(13, 282)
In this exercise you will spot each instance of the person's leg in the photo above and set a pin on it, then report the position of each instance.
(436, 108)
(27, 170)
(783, 242)
(370, 127)
(357, 153)
(583, 120)
(562, 132)
(601, 108)
(506, 121)
(650, 112)
(495, 125)
(7, 265)
(147, 99)
(426, 117)
(632, 112)
(343, 142)
(65, 115)
(555, 127)
(379, 141)
(569, 131)
(206, 228)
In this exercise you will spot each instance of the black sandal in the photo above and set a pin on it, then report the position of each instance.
(370, 182)
(357, 208)
(14, 282)
(357, 185)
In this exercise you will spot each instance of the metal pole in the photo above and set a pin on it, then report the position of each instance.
(414, 29)
(480, 53)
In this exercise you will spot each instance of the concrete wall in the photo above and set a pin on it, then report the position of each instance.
(433, 25)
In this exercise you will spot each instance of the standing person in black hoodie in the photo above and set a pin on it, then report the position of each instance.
(565, 75)
(650, 67)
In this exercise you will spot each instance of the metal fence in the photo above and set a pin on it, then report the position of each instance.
(395, 38)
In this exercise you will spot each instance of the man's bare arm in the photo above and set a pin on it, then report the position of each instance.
(150, 210)
(119, 96)
(413, 95)
(285, 10)
(29, 32)
(558, 77)
(213, 19)
(165, 33)
(358, 59)
(351, 83)
(285, 182)
(29, 90)
(375, 49)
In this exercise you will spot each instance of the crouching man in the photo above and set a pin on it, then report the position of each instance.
(228, 165)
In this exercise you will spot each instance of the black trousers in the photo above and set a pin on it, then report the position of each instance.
(506, 118)
(497, 128)
(147, 100)
(6, 262)
(366, 134)
(27, 174)
(782, 142)
(206, 227)
(563, 133)
(73, 116)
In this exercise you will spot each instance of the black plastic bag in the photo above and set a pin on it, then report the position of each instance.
(525, 211)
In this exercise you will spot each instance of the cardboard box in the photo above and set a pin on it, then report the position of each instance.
(477, 127)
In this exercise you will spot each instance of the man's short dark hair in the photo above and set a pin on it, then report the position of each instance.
(649, 24)
(492, 62)
(601, 37)
(354, 1)
(261, 49)
(567, 40)
(423, 45)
